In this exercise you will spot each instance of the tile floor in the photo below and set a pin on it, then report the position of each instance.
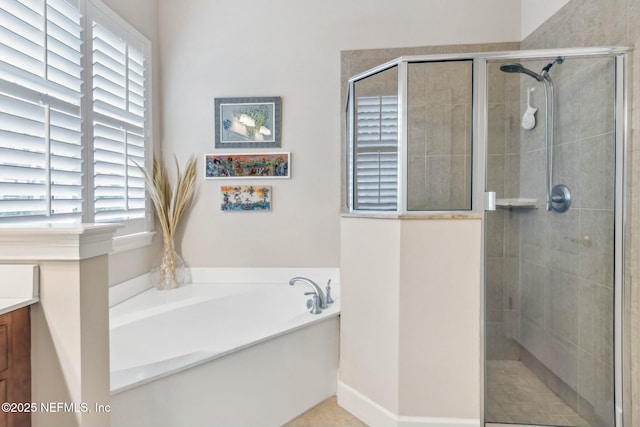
(516, 395)
(326, 414)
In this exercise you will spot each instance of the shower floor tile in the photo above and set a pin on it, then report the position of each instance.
(516, 395)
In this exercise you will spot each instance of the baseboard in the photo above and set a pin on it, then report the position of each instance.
(376, 415)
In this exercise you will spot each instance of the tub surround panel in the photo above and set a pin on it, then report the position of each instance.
(127, 264)
(238, 311)
(132, 287)
(264, 275)
(258, 356)
(239, 391)
(128, 289)
(432, 270)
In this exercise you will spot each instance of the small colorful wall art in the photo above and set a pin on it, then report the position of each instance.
(267, 165)
(245, 197)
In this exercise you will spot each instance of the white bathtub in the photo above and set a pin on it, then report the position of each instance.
(237, 347)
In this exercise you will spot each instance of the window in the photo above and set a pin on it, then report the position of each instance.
(376, 157)
(40, 111)
(119, 60)
(74, 115)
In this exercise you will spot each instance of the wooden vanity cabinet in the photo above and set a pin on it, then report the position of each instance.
(15, 367)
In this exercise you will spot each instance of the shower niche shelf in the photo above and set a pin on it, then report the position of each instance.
(517, 203)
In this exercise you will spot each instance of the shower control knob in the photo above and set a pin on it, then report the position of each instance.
(560, 198)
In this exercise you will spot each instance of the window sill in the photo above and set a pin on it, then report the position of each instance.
(132, 241)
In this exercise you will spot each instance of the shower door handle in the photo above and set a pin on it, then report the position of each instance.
(490, 201)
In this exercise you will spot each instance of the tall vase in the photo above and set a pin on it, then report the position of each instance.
(170, 271)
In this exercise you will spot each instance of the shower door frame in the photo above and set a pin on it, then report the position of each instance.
(485, 200)
(482, 200)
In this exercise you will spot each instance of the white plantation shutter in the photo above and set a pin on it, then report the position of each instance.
(74, 98)
(119, 72)
(376, 157)
(40, 111)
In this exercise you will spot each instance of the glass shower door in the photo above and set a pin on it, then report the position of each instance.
(549, 274)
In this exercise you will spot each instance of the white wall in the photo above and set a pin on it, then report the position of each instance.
(439, 316)
(535, 12)
(370, 304)
(295, 46)
(287, 48)
(410, 322)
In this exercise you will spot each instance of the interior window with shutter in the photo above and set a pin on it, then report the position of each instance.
(119, 122)
(376, 154)
(74, 115)
(40, 111)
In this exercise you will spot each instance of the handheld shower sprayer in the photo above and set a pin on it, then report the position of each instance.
(515, 67)
(558, 198)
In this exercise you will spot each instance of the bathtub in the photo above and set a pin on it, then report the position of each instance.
(236, 347)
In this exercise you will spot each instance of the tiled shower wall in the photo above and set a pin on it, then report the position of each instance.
(566, 259)
(439, 135)
(583, 23)
(502, 236)
(550, 275)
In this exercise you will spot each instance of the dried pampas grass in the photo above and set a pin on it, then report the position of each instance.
(170, 207)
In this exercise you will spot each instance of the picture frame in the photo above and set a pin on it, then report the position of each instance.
(247, 122)
(247, 198)
(247, 165)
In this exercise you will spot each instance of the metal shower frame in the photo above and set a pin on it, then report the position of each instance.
(481, 200)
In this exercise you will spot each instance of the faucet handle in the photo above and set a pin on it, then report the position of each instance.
(327, 296)
(312, 304)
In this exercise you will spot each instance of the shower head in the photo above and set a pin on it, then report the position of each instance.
(515, 67)
(511, 67)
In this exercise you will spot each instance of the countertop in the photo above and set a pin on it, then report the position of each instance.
(10, 304)
(19, 286)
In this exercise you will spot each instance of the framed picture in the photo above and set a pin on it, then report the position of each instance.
(247, 122)
(245, 197)
(240, 165)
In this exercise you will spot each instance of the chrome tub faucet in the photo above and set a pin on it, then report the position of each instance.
(319, 301)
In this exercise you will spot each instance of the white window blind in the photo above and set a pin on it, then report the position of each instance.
(376, 156)
(119, 125)
(40, 111)
(74, 120)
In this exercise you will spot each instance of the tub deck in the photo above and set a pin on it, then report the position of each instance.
(158, 333)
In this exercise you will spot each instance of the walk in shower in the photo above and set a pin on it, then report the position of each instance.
(534, 143)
